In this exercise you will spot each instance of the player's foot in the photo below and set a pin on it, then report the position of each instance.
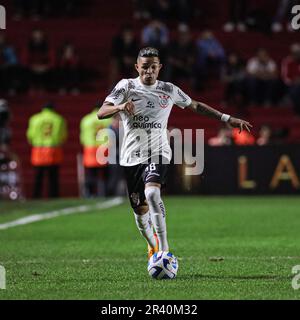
(151, 250)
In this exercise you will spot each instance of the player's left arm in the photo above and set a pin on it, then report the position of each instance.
(206, 110)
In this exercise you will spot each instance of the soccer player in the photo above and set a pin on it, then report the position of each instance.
(144, 104)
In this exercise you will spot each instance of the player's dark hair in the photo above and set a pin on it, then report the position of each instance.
(148, 52)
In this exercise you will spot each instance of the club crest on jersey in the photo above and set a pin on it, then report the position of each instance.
(163, 101)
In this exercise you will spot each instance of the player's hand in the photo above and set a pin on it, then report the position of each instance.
(127, 107)
(241, 124)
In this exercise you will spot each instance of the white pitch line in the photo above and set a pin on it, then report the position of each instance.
(62, 212)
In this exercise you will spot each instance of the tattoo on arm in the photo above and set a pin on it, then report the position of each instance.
(205, 110)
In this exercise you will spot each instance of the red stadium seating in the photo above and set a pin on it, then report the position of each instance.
(92, 35)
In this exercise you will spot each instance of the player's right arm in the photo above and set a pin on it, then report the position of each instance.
(116, 101)
(108, 109)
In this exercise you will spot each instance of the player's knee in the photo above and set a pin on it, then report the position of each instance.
(141, 210)
(152, 194)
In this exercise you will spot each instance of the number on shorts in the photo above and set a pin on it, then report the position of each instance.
(152, 167)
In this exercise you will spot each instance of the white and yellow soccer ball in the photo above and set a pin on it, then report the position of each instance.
(163, 265)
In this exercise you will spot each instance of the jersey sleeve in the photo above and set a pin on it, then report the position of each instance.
(119, 93)
(180, 98)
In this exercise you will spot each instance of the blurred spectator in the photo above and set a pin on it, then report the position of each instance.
(29, 8)
(68, 8)
(268, 136)
(5, 133)
(161, 10)
(156, 34)
(8, 54)
(141, 9)
(184, 10)
(124, 52)
(223, 138)
(265, 135)
(116, 185)
(290, 71)
(39, 59)
(262, 79)
(233, 76)
(12, 75)
(96, 169)
(181, 11)
(68, 72)
(237, 15)
(10, 175)
(283, 15)
(210, 56)
(258, 18)
(47, 132)
(243, 138)
(181, 56)
(37, 9)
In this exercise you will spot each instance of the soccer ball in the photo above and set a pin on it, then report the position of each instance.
(163, 265)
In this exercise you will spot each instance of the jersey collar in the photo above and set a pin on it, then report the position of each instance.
(152, 86)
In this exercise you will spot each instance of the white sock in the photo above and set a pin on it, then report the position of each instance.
(158, 215)
(144, 224)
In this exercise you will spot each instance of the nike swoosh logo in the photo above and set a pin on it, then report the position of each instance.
(133, 100)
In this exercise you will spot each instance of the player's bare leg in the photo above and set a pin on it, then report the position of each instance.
(144, 224)
(158, 213)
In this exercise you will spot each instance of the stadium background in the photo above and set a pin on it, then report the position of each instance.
(229, 247)
(91, 28)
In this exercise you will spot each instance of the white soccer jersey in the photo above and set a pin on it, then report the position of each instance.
(145, 133)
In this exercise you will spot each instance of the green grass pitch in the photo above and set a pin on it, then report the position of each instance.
(228, 248)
